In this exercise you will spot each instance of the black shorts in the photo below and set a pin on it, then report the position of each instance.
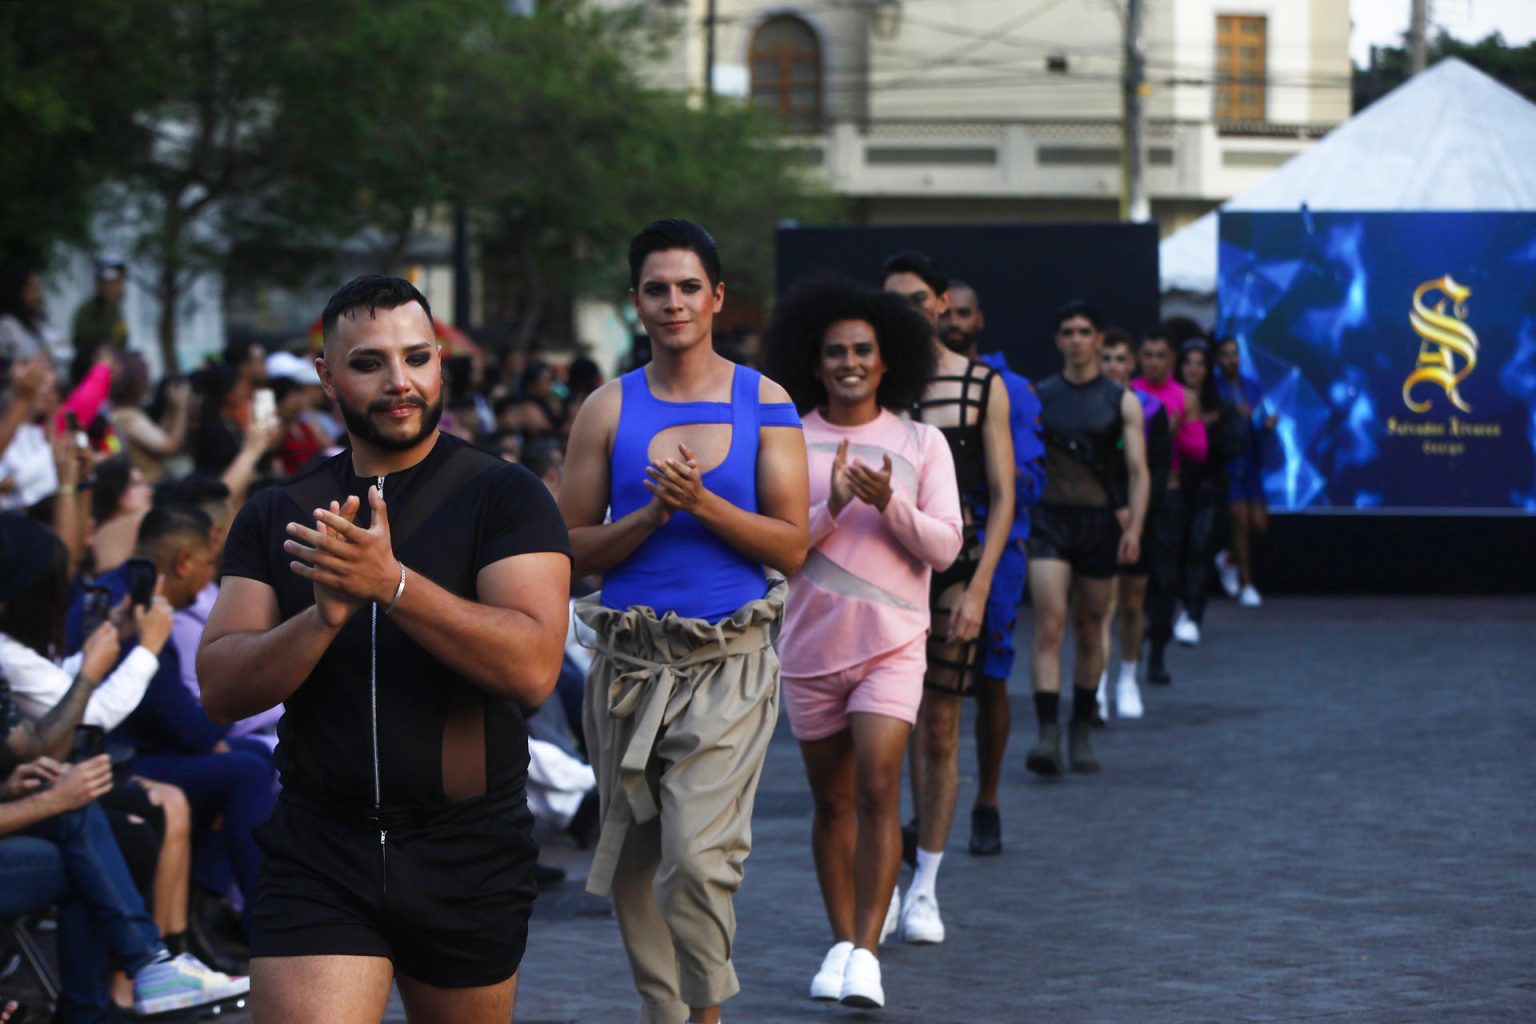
(1088, 539)
(447, 902)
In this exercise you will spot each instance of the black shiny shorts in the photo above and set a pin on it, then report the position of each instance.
(1088, 539)
(446, 899)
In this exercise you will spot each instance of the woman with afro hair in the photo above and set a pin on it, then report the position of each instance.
(885, 513)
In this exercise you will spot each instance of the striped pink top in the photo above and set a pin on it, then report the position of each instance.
(863, 590)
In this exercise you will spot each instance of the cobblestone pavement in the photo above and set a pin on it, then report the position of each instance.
(1328, 816)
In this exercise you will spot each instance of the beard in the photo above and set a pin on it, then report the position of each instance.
(361, 426)
(958, 341)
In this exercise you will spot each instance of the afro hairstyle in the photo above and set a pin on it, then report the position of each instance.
(792, 340)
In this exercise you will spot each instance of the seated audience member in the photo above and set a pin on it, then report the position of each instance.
(175, 740)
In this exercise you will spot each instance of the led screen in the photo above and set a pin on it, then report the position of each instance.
(1397, 352)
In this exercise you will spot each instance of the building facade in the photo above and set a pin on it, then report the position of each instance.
(988, 110)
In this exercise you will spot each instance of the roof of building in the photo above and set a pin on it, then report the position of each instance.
(1451, 138)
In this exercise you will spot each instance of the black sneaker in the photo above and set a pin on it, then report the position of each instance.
(909, 843)
(986, 832)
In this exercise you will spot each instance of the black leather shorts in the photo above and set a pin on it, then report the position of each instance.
(1086, 538)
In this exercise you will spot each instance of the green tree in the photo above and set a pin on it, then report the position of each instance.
(1514, 66)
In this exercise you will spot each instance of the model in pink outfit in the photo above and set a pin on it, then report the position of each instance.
(885, 512)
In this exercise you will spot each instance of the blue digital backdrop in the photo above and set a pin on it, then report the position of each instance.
(1397, 351)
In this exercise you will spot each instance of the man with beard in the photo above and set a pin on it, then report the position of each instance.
(403, 640)
(960, 327)
(969, 404)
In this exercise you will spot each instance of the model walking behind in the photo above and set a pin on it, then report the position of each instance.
(969, 404)
(1093, 438)
(684, 479)
(885, 514)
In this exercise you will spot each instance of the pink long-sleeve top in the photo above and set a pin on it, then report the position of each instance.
(863, 590)
(87, 399)
(1189, 441)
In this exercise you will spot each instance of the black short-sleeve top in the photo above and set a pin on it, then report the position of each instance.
(439, 738)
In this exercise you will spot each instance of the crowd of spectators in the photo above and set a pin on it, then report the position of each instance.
(116, 489)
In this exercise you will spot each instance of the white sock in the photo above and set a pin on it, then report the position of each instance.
(1103, 680)
(1128, 670)
(927, 873)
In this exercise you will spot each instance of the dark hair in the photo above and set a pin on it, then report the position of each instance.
(541, 457)
(282, 387)
(131, 381)
(1179, 329)
(376, 291)
(674, 233)
(35, 617)
(1210, 398)
(13, 281)
(1117, 336)
(582, 375)
(237, 350)
(531, 373)
(910, 261)
(792, 340)
(190, 490)
(110, 484)
(506, 402)
(166, 521)
(1078, 307)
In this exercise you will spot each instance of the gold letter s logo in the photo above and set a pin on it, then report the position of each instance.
(1443, 339)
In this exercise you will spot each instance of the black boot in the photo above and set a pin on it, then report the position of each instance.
(1157, 672)
(1045, 757)
(986, 831)
(1079, 749)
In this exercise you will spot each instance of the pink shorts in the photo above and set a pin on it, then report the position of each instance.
(889, 684)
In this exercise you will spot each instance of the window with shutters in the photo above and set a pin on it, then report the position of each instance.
(786, 72)
(1240, 67)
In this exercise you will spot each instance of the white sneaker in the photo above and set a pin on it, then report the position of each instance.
(920, 921)
(861, 981)
(1250, 597)
(1186, 631)
(1227, 573)
(1128, 698)
(181, 983)
(828, 983)
(1102, 697)
(892, 915)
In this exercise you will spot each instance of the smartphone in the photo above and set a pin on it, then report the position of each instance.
(141, 580)
(97, 608)
(72, 424)
(90, 741)
(263, 406)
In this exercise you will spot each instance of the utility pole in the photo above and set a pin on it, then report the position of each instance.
(1418, 30)
(709, 54)
(1134, 204)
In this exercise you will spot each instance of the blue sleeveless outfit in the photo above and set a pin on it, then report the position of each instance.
(684, 567)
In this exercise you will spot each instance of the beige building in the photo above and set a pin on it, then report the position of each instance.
(1009, 110)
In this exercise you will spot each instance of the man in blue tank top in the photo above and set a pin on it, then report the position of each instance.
(684, 480)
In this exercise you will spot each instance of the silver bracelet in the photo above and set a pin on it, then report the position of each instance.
(398, 591)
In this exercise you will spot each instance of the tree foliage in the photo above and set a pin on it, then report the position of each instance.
(1514, 66)
(256, 136)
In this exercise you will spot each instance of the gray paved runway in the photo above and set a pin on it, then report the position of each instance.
(1328, 816)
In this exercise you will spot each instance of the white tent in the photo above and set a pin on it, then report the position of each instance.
(1449, 139)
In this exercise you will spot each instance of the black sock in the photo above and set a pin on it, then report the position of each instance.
(1047, 706)
(175, 943)
(1085, 704)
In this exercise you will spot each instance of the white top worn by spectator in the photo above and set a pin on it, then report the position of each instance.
(21, 343)
(28, 463)
(37, 684)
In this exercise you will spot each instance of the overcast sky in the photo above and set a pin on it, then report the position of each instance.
(1383, 22)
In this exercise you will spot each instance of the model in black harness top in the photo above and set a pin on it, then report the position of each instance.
(403, 600)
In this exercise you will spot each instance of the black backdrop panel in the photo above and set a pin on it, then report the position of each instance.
(1022, 272)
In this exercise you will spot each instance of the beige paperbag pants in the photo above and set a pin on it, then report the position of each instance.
(678, 715)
